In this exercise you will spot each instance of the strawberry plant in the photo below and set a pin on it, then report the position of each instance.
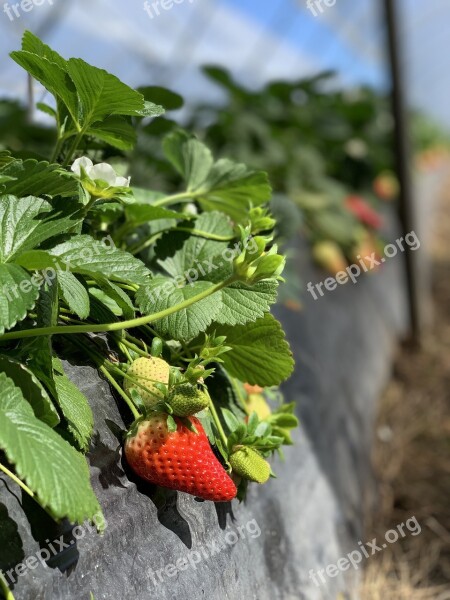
(322, 149)
(167, 292)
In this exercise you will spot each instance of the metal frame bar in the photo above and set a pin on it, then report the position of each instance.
(403, 154)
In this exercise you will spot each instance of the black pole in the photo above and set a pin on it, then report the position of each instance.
(403, 155)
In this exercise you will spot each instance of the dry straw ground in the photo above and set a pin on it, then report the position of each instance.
(412, 455)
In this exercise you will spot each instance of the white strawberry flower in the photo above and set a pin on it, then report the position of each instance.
(101, 180)
(100, 171)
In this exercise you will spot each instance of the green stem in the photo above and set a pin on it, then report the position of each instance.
(120, 391)
(17, 480)
(216, 419)
(135, 341)
(150, 330)
(134, 348)
(116, 326)
(130, 288)
(138, 383)
(100, 361)
(175, 198)
(90, 204)
(57, 150)
(124, 349)
(137, 249)
(206, 235)
(73, 148)
(68, 319)
(5, 588)
(123, 231)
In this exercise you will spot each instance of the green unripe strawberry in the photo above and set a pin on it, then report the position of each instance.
(148, 372)
(187, 400)
(330, 257)
(249, 464)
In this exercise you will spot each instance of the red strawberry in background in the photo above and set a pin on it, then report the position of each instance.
(181, 460)
(253, 389)
(363, 212)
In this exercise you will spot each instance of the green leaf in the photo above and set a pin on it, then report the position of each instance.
(162, 96)
(89, 94)
(52, 76)
(229, 187)
(74, 294)
(18, 295)
(6, 179)
(151, 110)
(259, 352)
(54, 471)
(38, 352)
(74, 406)
(118, 296)
(45, 108)
(87, 256)
(284, 420)
(171, 424)
(202, 259)
(100, 313)
(252, 424)
(116, 132)
(39, 179)
(27, 222)
(197, 251)
(192, 159)
(31, 43)
(139, 213)
(47, 308)
(106, 300)
(144, 196)
(101, 95)
(162, 293)
(5, 158)
(242, 303)
(232, 422)
(91, 257)
(232, 188)
(32, 390)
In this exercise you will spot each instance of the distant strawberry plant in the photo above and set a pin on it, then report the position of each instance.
(322, 147)
(181, 285)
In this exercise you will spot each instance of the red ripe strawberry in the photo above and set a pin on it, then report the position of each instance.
(363, 211)
(181, 460)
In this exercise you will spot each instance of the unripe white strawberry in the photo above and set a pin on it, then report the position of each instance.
(147, 372)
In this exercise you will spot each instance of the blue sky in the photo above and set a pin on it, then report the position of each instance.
(258, 40)
(318, 36)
